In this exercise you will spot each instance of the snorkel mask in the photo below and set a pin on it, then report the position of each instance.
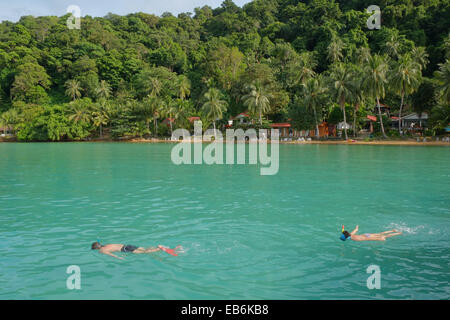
(343, 237)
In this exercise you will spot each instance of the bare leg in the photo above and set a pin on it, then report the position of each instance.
(141, 250)
(390, 231)
(152, 249)
(393, 234)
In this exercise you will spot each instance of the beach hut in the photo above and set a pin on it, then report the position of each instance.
(385, 109)
(414, 121)
(371, 120)
(5, 132)
(324, 130)
(284, 129)
(242, 118)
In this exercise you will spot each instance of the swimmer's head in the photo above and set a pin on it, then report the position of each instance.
(96, 246)
(345, 235)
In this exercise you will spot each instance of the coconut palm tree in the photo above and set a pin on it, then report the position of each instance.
(420, 56)
(9, 119)
(150, 109)
(405, 78)
(358, 98)
(305, 68)
(393, 46)
(184, 87)
(257, 100)
(154, 87)
(343, 86)
(312, 96)
(443, 78)
(363, 55)
(73, 89)
(103, 91)
(170, 110)
(335, 50)
(214, 106)
(78, 112)
(375, 79)
(101, 117)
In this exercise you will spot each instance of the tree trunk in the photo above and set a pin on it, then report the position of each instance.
(381, 118)
(214, 125)
(101, 131)
(354, 122)
(317, 124)
(260, 118)
(400, 114)
(171, 131)
(345, 118)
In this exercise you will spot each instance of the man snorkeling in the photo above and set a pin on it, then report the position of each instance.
(368, 236)
(108, 249)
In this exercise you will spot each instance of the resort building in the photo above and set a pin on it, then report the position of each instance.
(285, 130)
(5, 132)
(241, 119)
(412, 122)
(385, 109)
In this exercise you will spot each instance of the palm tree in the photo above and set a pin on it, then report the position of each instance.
(363, 55)
(443, 78)
(9, 119)
(214, 106)
(358, 96)
(375, 79)
(103, 90)
(101, 117)
(150, 109)
(343, 87)
(78, 112)
(393, 46)
(184, 87)
(405, 79)
(257, 100)
(313, 93)
(304, 70)
(335, 50)
(420, 56)
(170, 110)
(73, 89)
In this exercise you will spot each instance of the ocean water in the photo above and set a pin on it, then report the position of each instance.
(245, 236)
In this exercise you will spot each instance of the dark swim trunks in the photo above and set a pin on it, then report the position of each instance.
(128, 248)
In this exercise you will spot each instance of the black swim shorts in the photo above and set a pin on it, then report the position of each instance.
(128, 248)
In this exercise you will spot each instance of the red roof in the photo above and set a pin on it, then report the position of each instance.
(167, 120)
(372, 118)
(280, 125)
(241, 114)
(192, 119)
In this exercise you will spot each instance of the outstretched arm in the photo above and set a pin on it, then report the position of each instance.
(355, 231)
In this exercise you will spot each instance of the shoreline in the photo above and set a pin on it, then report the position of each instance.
(336, 142)
(329, 142)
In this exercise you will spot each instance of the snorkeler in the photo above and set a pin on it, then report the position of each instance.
(368, 236)
(108, 249)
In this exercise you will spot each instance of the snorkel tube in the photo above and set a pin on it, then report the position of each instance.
(343, 237)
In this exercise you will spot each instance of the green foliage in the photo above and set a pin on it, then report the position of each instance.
(127, 74)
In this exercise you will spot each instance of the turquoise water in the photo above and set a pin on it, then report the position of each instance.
(245, 236)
